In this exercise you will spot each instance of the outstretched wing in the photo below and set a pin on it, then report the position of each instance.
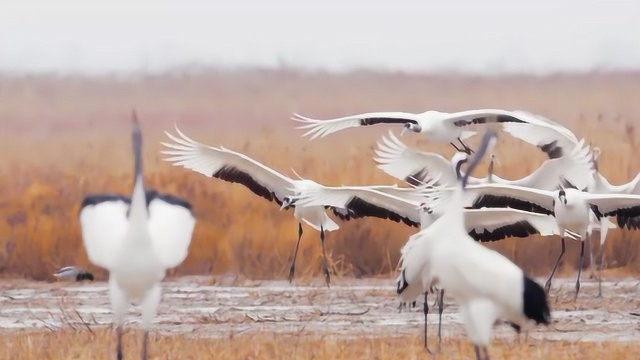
(493, 224)
(322, 128)
(625, 207)
(228, 165)
(171, 226)
(104, 223)
(576, 167)
(553, 139)
(498, 196)
(363, 201)
(413, 166)
(480, 116)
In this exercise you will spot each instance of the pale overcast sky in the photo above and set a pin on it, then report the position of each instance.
(479, 36)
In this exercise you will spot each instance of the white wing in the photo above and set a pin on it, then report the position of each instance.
(414, 277)
(228, 165)
(363, 201)
(576, 167)
(405, 193)
(483, 116)
(404, 163)
(492, 224)
(601, 185)
(551, 138)
(623, 206)
(171, 225)
(322, 128)
(497, 195)
(633, 186)
(104, 223)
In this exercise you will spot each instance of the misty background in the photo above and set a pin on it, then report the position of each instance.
(467, 36)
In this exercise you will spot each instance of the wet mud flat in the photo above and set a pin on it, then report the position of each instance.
(209, 307)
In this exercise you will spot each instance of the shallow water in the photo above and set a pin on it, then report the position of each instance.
(350, 308)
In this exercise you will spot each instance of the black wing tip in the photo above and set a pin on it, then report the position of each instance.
(626, 221)
(359, 208)
(150, 194)
(234, 175)
(95, 199)
(488, 119)
(520, 229)
(494, 201)
(402, 283)
(552, 150)
(168, 198)
(384, 120)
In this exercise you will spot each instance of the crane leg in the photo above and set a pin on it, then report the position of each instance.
(401, 306)
(603, 237)
(292, 269)
(486, 353)
(465, 147)
(476, 349)
(119, 303)
(575, 297)
(440, 310)
(327, 276)
(592, 264)
(119, 343)
(547, 285)
(599, 266)
(456, 147)
(145, 343)
(426, 311)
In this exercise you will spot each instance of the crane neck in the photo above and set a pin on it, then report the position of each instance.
(138, 211)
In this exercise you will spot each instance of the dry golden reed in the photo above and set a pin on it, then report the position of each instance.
(100, 344)
(66, 137)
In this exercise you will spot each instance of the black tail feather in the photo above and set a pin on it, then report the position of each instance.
(402, 284)
(535, 302)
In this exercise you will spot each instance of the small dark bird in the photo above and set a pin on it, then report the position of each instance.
(71, 273)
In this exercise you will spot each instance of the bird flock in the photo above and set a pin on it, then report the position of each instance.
(138, 237)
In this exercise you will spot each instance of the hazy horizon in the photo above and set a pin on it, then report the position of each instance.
(463, 36)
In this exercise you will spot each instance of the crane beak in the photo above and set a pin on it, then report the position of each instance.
(404, 130)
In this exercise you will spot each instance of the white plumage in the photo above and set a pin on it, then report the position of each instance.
(136, 239)
(404, 163)
(486, 285)
(571, 208)
(600, 185)
(265, 182)
(105, 225)
(550, 137)
(398, 204)
(407, 205)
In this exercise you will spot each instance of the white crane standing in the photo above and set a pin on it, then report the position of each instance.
(136, 239)
(486, 285)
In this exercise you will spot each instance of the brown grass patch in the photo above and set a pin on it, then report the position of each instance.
(65, 137)
(67, 344)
